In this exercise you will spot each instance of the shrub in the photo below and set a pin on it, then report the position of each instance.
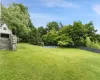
(65, 41)
(91, 44)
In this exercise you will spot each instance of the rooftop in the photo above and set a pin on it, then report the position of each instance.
(4, 29)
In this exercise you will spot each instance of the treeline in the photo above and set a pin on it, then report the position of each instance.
(75, 35)
(16, 16)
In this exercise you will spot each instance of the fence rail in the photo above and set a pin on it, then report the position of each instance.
(90, 49)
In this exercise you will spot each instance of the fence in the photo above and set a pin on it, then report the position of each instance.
(90, 49)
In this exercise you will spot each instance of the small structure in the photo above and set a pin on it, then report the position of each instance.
(8, 41)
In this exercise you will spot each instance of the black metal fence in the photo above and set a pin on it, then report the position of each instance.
(90, 49)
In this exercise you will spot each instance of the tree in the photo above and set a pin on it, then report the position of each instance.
(90, 31)
(75, 32)
(42, 31)
(66, 30)
(51, 37)
(78, 34)
(97, 36)
(17, 18)
(54, 25)
(34, 37)
(65, 41)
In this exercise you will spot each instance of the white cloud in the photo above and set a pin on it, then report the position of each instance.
(59, 3)
(41, 19)
(96, 8)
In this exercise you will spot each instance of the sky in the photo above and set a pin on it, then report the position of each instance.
(65, 11)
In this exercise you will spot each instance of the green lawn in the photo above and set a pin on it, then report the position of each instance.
(38, 63)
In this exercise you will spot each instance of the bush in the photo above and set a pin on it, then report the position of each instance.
(88, 42)
(50, 38)
(96, 46)
(65, 41)
(91, 44)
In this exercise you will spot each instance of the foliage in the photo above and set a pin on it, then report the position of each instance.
(34, 37)
(91, 44)
(76, 32)
(42, 31)
(54, 25)
(90, 30)
(88, 42)
(97, 36)
(17, 18)
(51, 37)
(71, 35)
(65, 41)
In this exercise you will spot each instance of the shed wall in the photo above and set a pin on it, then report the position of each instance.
(5, 44)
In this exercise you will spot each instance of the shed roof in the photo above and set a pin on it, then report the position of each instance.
(4, 29)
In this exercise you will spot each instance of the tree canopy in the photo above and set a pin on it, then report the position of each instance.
(17, 17)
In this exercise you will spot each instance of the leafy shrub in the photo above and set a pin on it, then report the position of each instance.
(91, 44)
(50, 38)
(65, 41)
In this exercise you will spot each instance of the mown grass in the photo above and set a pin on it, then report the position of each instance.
(38, 63)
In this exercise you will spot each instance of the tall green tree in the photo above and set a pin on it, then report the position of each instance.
(42, 31)
(90, 31)
(17, 18)
(54, 25)
(51, 37)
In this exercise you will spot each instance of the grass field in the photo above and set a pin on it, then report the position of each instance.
(38, 63)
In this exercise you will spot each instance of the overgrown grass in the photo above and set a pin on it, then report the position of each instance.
(38, 63)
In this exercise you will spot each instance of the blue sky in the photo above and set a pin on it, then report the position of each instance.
(65, 11)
